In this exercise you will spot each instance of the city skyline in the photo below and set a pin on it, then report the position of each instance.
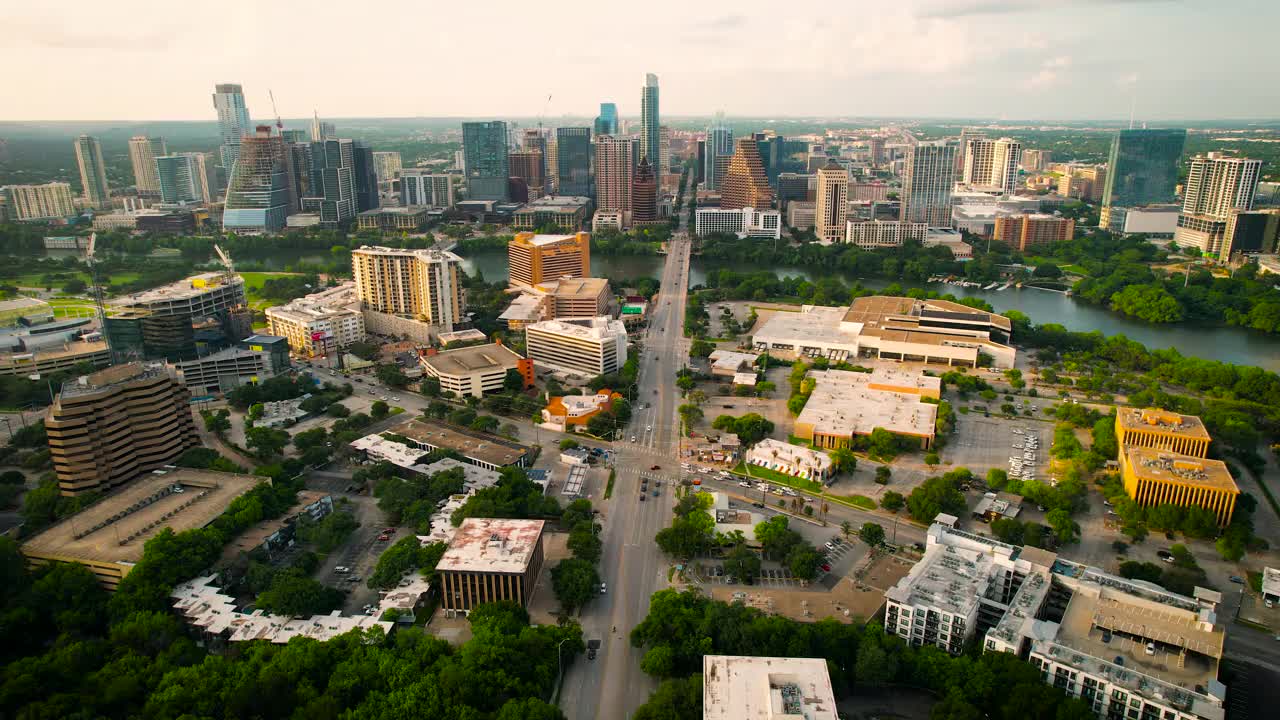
(979, 59)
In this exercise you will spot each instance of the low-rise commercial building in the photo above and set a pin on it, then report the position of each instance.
(406, 219)
(253, 360)
(844, 404)
(590, 347)
(728, 363)
(25, 311)
(475, 370)
(1126, 647)
(568, 213)
(1162, 430)
(743, 222)
(477, 448)
(1270, 586)
(490, 560)
(802, 214)
(795, 460)
(1154, 477)
(766, 688)
(1157, 221)
(557, 299)
(568, 413)
(319, 323)
(872, 234)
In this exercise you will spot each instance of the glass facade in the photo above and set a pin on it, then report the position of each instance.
(1143, 167)
(573, 160)
(607, 120)
(484, 148)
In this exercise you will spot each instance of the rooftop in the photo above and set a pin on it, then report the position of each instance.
(470, 360)
(461, 336)
(770, 452)
(1002, 504)
(594, 329)
(470, 443)
(1271, 581)
(114, 529)
(191, 287)
(492, 545)
(424, 254)
(1164, 422)
(557, 202)
(338, 300)
(813, 324)
(22, 303)
(539, 240)
(109, 377)
(730, 361)
(766, 688)
(586, 288)
(848, 403)
(905, 313)
(1154, 464)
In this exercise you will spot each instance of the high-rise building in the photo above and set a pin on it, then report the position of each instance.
(115, 425)
(535, 139)
(926, 183)
(299, 149)
(260, 193)
(205, 166)
(1036, 160)
(607, 121)
(664, 154)
(962, 149)
(535, 259)
(40, 202)
(1142, 169)
(644, 194)
(1023, 231)
(992, 163)
(1217, 185)
(366, 176)
(875, 150)
(321, 130)
(233, 120)
(387, 166)
(178, 178)
(744, 183)
(795, 187)
(526, 165)
(614, 159)
(143, 152)
(422, 284)
(650, 137)
(573, 161)
(830, 214)
(585, 347)
(420, 187)
(333, 182)
(93, 172)
(484, 145)
(719, 144)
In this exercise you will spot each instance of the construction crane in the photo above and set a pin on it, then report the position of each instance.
(543, 114)
(96, 290)
(229, 274)
(279, 124)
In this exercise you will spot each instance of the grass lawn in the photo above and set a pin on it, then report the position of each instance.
(773, 476)
(861, 501)
(1075, 270)
(253, 282)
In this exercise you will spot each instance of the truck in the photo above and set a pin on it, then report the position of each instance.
(593, 644)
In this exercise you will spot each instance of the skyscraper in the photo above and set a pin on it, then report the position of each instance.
(926, 183)
(536, 139)
(387, 166)
(321, 130)
(615, 158)
(573, 160)
(205, 169)
(420, 187)
(650, 139)
(93, 173)
(422, 284)
(664, 153)
(233, 120)
(719, 144)
(644, 194)
(992, 163)
(744, 183)
(832, 207)
(962, 150)
(1217, 185)
(527, 166)
(143, 152)
(260, 193)
(607, 120)
(484, 146)
(366, 178)
(1142, 169)
(333, 182)
(178, 179)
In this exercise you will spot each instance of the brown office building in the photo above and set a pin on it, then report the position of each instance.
(744, 183)
(110, 427)
(488, 561)
(644, 194)
(527, 165)
(537, 259)
(1023, 231)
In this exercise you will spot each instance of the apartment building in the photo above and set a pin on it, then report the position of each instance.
(110, 427)
(490, 560)
(832, 203)
(1217, 185)
(578, 347)
(40, 202)
(926, 183)
(535, 259)
(872, 234)
(319, 323)
(1031, 229)
(1127, 648)
(421, 284)
(475, 370)
(992, 164)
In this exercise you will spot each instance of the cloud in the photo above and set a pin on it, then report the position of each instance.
(724, 22)
(970, 8)
(1050, 71)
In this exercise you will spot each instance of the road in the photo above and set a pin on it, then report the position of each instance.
(612, 685)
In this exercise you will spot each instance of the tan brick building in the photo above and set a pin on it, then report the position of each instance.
(490, 560)
(536, 259)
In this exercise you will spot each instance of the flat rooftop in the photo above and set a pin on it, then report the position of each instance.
(471, 360)
(882, 311)
(730, 360)
(461, 336)
(557, 202)
(539, 240)
(142, 506)
(108, 377)
(470, 443)
(1163, 466)
(492, 545)
(191, 287)
(848, 403)
(339, 300)
(815, 324)
(1164, 422)
(424, 254)
(594, 329)
(585, 288)
(766, 688)
(22, 303)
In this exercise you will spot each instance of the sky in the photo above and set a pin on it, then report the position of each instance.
(999, 59)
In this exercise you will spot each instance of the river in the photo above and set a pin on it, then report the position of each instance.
(1228, 344)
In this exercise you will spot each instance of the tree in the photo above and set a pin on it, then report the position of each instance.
(568, 444)
(883, 473)
(689, 414)
(843, 460)
(1063, 526)
(935, 495)
(892, 501)
(742, 563)
(266, 442)
(803, 561)
(337, 410)
(931, 459)
(430, 386)
(846, 529)
(701, 348)
(1047, 270)
(874, 667)
(217, 422)
(584, 543)
(485, 423)
(293, 593)
(685, 383)
(871, 534)
(364, 350)
(379, 410)
(392, 375)
(675, 699)
(513, 381)
(574, 581)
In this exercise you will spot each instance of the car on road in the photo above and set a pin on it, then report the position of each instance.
(656, 492)
(342, 569)
(1236, 579)
(648, 428)
(389, 531)
(697, 481)
(383, 538)
(603, 588)
(830, 545)
(633, 438)
(656, 467)
(744, 484)
(642, 497)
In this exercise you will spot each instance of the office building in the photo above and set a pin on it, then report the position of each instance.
(583, 347)
(1151, 220)
(568, 213)
(845, 404)
(873, 234)
(534, 259)
(868, 192)
(110, 427)
(664, 156)
(425, 188)
(1217, 185)
(535, 140)
(573, 160)
(744, 183)
(251, 361)
(832, 203)
(563, 298)
(1162, 430)
(719, 144)
(650, 126)
(796, 187)
(177, 179)
(526, 165)
(93, 172)
(406, 219)
(801, 214)
(333, 182)
(766, 688)
(490, 561)
(1142, 169)
(1026, 230)
(475, 370)
(319, 323)
(40, 202)
(992, 164)
(321, 130)
(421, 284)
(366, 178)
(615, 158)
(484, 147)
(1127, 648)
(233, 121)
(1163, 461)
(143, 152)
(1251, 234)
(179, 320)
(644, 194)
(387, 166)
(260, 192)
(745, 222)
(926, 183)
(794, 460)
(607, 121)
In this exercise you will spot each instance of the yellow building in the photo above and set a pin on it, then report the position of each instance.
(535, 259)
(422, 284)
(1153, 477)
(1163, 430)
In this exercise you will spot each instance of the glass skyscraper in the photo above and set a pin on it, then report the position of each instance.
(719, 144)
(607, 120)
(260, 193)
(650, 132)
(233, 120)
(484, 150)
(1142, 169)
(573, 160)
(178, 178)
(93, 172)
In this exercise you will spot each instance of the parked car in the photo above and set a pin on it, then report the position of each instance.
(342, 569)
(1237, 579)
(826, 567)
(656, 467)
(383, 538)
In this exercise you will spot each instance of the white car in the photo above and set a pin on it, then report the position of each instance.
(744, 484)
(603, 588)
(342, 569)
(633, 438)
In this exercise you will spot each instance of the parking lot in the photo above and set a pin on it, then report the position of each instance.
(982, 443)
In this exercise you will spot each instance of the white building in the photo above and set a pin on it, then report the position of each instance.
(1154, 220)
(992, 163)
(1216, 185)
(789, 459)
(580, 347)
(1126, 647)
(801, 214)
(319, 323)
(766, 688)
(425, 188)
(746, 222)
(40, 202)
(472, 371)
